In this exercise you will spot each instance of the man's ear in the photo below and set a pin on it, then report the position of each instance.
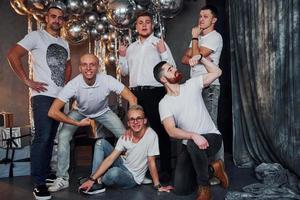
(163, 79)
(214, 20)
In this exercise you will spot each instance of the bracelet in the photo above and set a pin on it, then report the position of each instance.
(200, 57)
(195, 38)
(92, 179)
(157, 186)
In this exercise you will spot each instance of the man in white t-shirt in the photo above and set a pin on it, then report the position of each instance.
(128, 170)
(184, 116)
(207, 41)
(51, 70)
(91, 90)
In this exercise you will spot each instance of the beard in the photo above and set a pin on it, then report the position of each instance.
(55, 27)
(176, 79)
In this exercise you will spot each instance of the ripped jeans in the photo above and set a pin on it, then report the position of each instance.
(211, 96)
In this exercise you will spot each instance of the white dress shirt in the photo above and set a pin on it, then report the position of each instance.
(140, 59)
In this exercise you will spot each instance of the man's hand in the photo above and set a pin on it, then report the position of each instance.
(167, 188)
(194, 60)
(85, 122)
(127, 135)
(160, 45)
(200, 141)
(123, 49)
(86, 185)
(37, 86)
(196, 31)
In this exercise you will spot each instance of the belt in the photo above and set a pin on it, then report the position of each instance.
(141, 88)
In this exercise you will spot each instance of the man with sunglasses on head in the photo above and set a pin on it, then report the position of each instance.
(111, 167)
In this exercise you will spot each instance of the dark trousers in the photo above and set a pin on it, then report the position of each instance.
(192, 167)
(43, 138)
(149, 99)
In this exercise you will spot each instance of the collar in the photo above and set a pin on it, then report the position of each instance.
(86, 86)
(148, 39)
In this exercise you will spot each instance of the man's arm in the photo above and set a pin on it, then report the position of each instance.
(178, 133)
(129, 96)
(14, 56)
(188, 53)
(213, 71)
(108, 161)
(153, 170)
(56, 113)
(68, 71)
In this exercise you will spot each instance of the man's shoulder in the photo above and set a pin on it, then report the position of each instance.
(214, 34)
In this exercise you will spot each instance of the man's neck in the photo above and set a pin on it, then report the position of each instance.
(207, 30)
(53, 33)
(142, 38)
(173, 89)
(137, 136)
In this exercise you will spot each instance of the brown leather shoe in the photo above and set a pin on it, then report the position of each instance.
(203, 193)
(219, 172)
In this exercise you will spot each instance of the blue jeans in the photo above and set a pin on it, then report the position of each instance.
(108, 119)
(117, 174)
(43, 138)
(211, 96)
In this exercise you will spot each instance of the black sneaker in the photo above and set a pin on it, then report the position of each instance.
(96, 189)
(50, 179)
(41, 192)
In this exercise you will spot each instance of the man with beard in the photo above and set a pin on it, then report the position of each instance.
(138, 61)
(51, 70)
(184, 116)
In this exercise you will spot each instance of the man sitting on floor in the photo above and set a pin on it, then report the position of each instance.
(184, 116)
(129, 170)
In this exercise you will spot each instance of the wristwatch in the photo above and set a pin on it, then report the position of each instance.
(157, 186)
(92, 179)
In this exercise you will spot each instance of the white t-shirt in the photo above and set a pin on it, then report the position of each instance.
(49, 57)
(92, 101)
(136, 157)
(213, 40)
(188, 108)
(140, 60)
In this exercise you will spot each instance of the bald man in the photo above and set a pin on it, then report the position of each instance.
(90, 89)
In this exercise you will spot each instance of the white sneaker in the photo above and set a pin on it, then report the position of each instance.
(58, 184)
(146, 181)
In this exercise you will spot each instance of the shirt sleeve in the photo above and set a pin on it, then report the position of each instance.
(213, 42)
(67, 92)
(164, 110)
(167, 56)
(153, 147)
(115, 85)
(29, 41)
(123, 65)
(196, 82)
(120, 145)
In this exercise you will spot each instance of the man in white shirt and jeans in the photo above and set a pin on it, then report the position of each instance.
(51, 70)
(184, 116)
(110, 167)
(138, 61)
(90, 89)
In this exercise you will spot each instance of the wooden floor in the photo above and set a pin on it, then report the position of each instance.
(18, 188)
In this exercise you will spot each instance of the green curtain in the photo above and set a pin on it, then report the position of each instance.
(264, 43)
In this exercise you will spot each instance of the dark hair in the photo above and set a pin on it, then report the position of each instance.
(144, 13)
(212, 8)
(157, 71)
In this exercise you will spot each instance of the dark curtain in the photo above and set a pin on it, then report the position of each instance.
(264, 43)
